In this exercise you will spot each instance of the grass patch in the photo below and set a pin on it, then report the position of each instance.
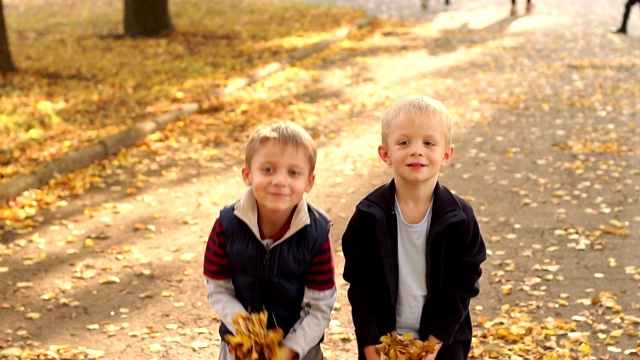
(78, 80)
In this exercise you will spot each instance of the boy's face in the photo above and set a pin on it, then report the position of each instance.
(416, 149)
(279, 176)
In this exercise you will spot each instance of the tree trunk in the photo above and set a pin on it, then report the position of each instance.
(6, 65)
(147, 18)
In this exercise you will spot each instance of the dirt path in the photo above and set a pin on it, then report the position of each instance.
(547, 151)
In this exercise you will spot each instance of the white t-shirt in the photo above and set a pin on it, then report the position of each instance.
(412, 279)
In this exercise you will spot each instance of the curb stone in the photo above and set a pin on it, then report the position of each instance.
(112, 144)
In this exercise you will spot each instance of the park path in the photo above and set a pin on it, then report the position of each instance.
(548, 110)
(547, 151)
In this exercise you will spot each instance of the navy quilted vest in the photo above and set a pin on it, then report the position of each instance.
(272, 279)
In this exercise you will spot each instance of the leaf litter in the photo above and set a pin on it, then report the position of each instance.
(592, 160)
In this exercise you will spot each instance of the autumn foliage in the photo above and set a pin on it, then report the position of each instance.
(253, 340)
(78, 83)
(404, 347)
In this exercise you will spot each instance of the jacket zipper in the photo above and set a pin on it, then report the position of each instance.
(266, 257)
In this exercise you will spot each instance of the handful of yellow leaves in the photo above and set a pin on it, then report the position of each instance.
(404, 347)
(253, 340)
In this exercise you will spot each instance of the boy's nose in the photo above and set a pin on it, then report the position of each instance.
(416, 151)
(278, 178)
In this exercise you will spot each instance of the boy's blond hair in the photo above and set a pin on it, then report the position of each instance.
(417, 107)
(286, 133)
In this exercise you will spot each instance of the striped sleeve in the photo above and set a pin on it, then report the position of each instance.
(321, 274)
(216, 259)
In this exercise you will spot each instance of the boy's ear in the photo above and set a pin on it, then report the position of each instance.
(311, 181)
(384, 155)
(246, 176)
(447, 155)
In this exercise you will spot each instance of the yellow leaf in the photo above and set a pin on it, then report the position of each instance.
(616, 333)
(33, 315)
(199, 345)
(614, 230)
(24, 285)
(35, 134)
(109, 280)
(187, 257)
(584, 348)
(146, 295)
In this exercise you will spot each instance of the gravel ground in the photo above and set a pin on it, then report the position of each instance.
(547, 151)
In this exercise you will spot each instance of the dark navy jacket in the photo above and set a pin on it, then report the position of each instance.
(455, 250)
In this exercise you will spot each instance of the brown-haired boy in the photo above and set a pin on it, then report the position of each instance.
(271, 249)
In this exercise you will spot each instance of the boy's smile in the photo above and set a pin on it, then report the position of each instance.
(416, 165)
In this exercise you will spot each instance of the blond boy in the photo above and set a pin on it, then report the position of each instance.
(412, 248)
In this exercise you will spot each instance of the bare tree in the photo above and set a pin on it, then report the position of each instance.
(147, 18)
(6, 64)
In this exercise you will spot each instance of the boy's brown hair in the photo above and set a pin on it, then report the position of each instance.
(286, 133)
(417, 107)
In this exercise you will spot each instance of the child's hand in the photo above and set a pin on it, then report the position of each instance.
(286, 353)
(371, 353)
(435, 340)
(431, 356)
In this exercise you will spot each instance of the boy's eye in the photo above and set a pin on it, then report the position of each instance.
(429, 143)
(294, 173)
(268, 170)
(403, 142)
